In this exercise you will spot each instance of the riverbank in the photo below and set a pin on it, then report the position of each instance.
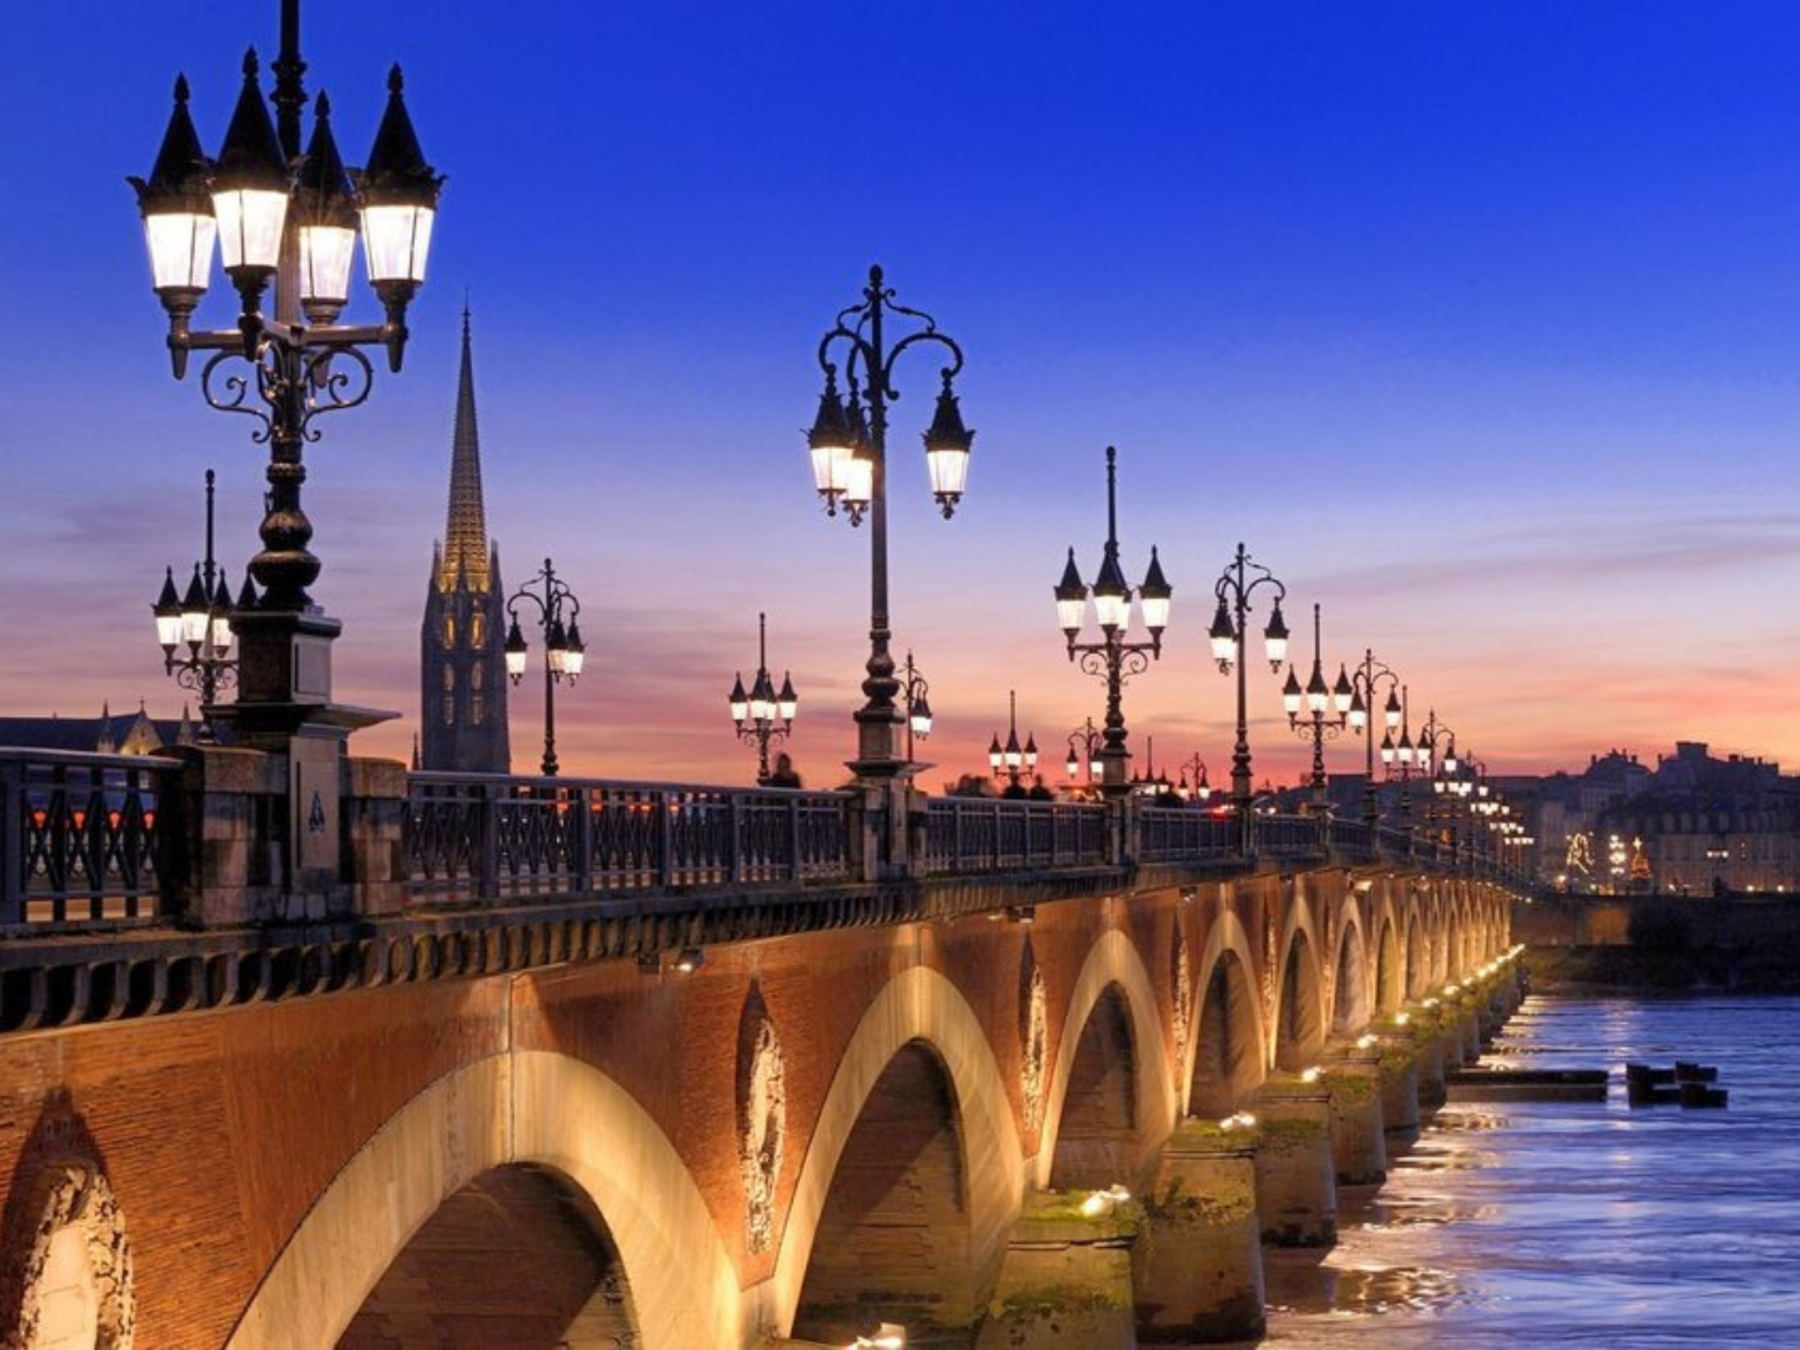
(1668, 966)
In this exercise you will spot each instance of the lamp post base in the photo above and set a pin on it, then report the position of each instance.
(284, 709)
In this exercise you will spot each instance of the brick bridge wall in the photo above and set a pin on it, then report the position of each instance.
(270, 1161)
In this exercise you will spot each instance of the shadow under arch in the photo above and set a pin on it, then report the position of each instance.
(526, 1107)
(1350, 1001)
(1114, 973)
(1227, 1043)
(1390, 973)
(550, 1274)
(1300, 1013)
(919, 1007)
(1416, 974)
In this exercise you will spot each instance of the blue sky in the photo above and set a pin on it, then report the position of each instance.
(1477, 322)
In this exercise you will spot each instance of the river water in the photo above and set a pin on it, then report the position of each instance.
(1553, 1224)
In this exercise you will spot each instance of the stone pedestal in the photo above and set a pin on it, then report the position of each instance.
(1296, 1178)
(1470, 1027)
(1358, 1143)
(1428, 1060)
(1065, 1281)
(1399, 1097)
(1450, 1040)
(1197, 1273)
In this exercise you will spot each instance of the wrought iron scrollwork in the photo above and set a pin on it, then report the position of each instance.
(329, 387)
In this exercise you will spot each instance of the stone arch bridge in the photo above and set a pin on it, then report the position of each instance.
(598, 1064)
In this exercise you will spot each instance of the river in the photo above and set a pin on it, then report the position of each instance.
(1553, 1224)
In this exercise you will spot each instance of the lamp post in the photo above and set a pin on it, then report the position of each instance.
(1234, 589)
(1365, 687)
(849, 463)
(288, 215)
(563, 649)
(1317, 712)
(763, 715)
(915, 691)
(1114, 659)
(1013, 760)
(1397, 758)
(1440, 766)
(200, 621)
(1084, 750)
(1201, 788)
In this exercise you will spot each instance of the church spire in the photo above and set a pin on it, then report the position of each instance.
(465, 556)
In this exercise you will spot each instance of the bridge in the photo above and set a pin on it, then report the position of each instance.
(540, 1061)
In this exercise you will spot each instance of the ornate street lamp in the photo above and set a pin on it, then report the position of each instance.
(1200, 789)
(763, 715)
(1400, 758)
(849, 462)
(286, 215)
(1440, 766)
(564, 652)
(195, 628)
(915, 698)
(1113, 658)
(1013, 761)
(1084, 750)
(1319, 712)
(1365, 686)
(1234, 589)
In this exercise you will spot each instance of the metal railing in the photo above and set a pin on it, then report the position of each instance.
(1282, 836)
(82, 839)
(1173, 834)
(988, 834)
(80, 836)
(480, 837)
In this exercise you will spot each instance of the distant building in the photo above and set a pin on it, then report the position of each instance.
(126, 734)
(1712, 825)
(462, 666)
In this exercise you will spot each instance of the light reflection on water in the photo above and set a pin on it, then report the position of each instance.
(1534, 1224)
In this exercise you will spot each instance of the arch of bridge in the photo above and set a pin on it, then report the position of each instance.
(917, 1005)
(1113, 960)
(1351, 942)
(1226, 937)
(524, 1107)
(1298, 921)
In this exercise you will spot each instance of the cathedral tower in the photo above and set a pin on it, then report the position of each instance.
(462, 667)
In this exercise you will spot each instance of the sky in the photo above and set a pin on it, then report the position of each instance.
(1475, 322)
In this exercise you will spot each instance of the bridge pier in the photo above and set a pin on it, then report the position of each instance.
(1399, 1095)
(1066, 1279)
(1197, 1271)
(1296, 1180)
(1358, 1143)
(1429, 1058)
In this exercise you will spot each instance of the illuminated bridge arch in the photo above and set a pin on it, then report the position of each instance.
(1227, 1055)
(1112, 995)
(529, 1107)
(918, 1015)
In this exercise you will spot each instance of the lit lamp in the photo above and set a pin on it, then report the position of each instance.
(1113, 659)
(325, 209)
(849, 464)
(399, 195)
(1235, 588)
(563, 650)
(194, 628)
(947, 447)
(762, 715)
(250, 187)
(179, 225)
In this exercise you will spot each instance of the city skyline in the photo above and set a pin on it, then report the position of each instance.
(1485, 422)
